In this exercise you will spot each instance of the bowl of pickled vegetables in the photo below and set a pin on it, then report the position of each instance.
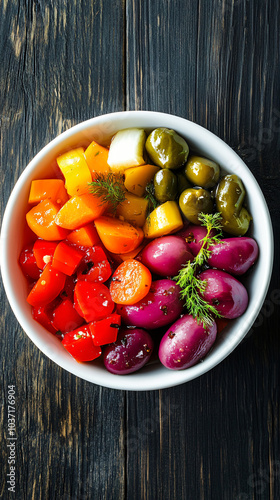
(136, 250)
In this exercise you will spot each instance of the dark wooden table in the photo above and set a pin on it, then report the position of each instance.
(216, 63)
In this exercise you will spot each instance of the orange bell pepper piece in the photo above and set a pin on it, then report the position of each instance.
(132, 254)
(41, 220)
(96, 157)
(118, 236)
(86, 236)
(48, 189)
(79, 211)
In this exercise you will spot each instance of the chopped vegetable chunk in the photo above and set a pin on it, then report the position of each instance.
(47, 288)
(127, 149)
(165, 219)
(130, 283)
(42, 221)
(80, 345)
(79, 211)
(92, 300)
(65, 317)
(74, 167)
(48, 189)
(118, 236)
(97, 158)
(66, 258)
(137, 178)
(86, 236)
(133, 209)
(106, 330)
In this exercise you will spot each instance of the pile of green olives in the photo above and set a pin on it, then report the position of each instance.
(196, 182)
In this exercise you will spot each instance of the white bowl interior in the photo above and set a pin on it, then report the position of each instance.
(101, 129)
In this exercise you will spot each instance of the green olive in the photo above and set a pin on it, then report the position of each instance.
(183, 182)
(165, 185)
(237, 225)
(229, 200)
(230, 196)
(202, 172)
(193, 201)
(166, 148)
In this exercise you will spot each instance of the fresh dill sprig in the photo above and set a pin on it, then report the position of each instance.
(150, 196)
(109, 187)
(192, 288)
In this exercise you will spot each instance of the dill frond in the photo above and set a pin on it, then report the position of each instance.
(109, 187)
(192, 288)
(150, 196)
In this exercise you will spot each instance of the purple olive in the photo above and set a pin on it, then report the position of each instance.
(225, 293)
(234, 255)
(186, 342)
(129, 353)
(193, 235)
(166, 255)
(162, 305)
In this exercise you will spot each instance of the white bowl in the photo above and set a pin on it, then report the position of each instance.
(101, 129)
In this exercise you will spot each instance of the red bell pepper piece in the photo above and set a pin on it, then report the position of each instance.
(94, 266)
(43, 315)
(65, 317)
(68, 290)
(106, 330)
(92, 300)
(47, 288)
(43, 251)
(92, 254)
(66, 258)
(98, 273)
(28, 264)
(80, 345)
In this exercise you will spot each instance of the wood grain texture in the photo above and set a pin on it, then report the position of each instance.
(214, 62)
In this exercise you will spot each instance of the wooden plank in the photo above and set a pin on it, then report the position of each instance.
(61, 63)
(161, 56)
(216, 63)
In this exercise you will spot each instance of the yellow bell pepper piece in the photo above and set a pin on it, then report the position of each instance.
(75, 170)
(137, 178)
(165, 219)
(133, 209)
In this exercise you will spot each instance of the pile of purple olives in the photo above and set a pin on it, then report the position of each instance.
(186, 340)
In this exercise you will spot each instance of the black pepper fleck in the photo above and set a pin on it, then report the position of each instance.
(190, 238)
(164, 309)
(88, 267)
